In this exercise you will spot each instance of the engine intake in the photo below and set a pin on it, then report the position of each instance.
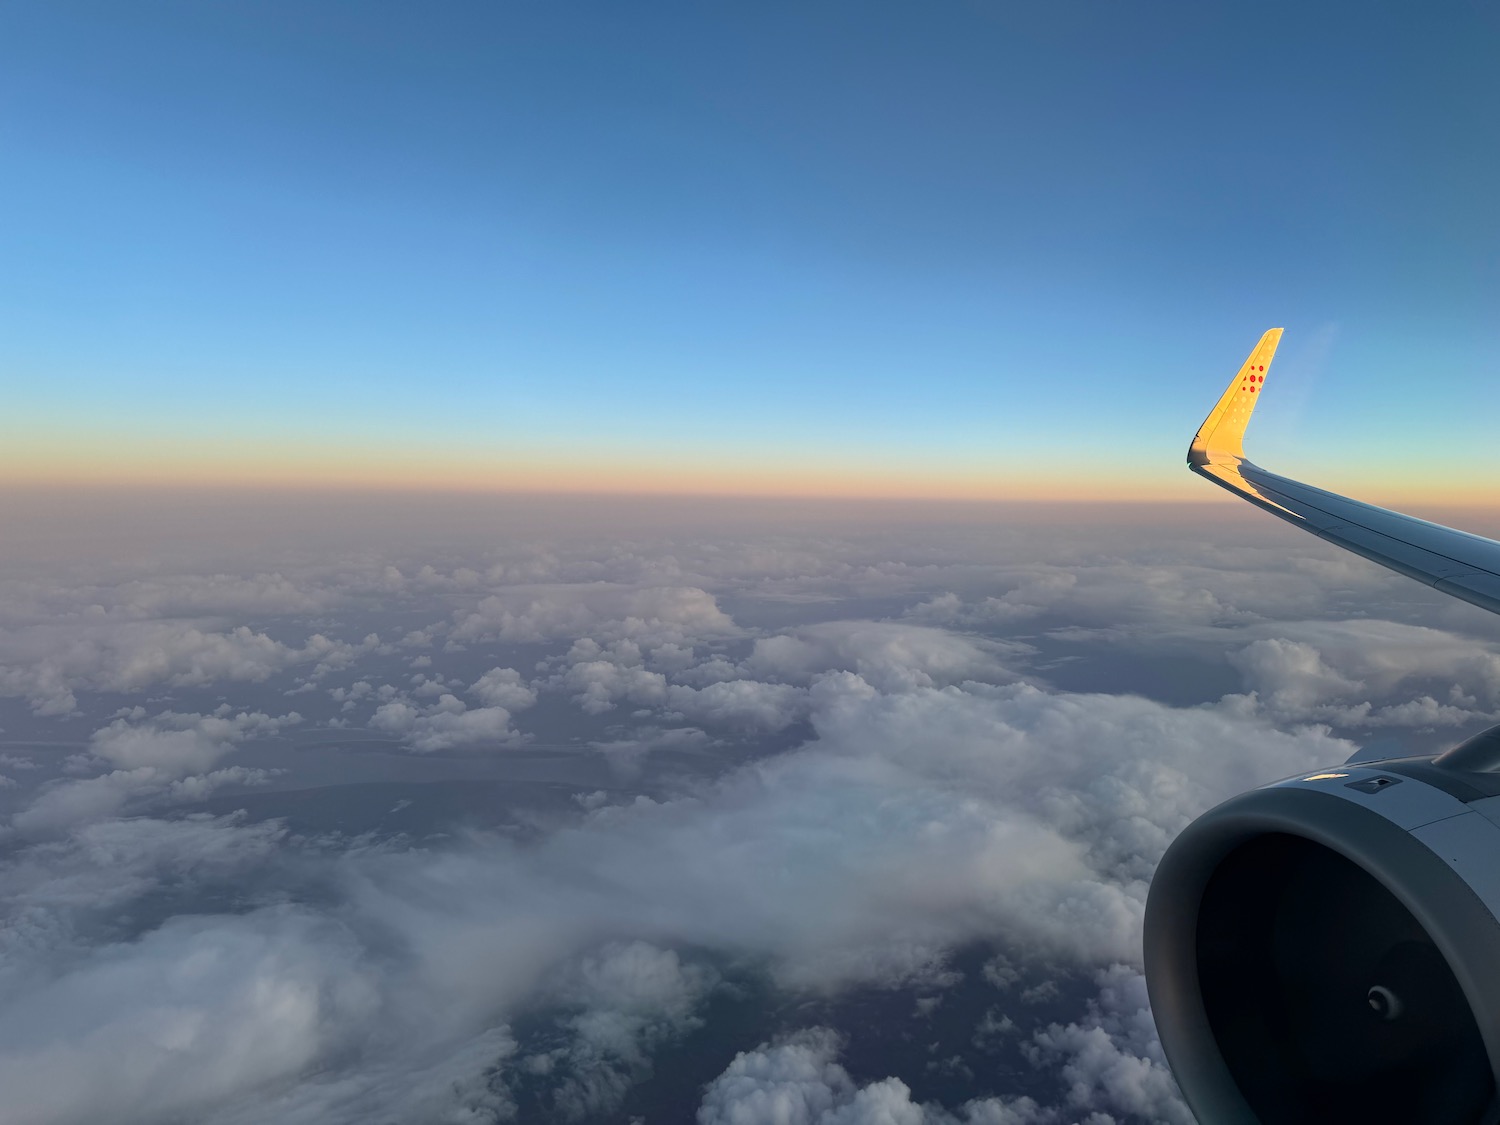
(1326, 949)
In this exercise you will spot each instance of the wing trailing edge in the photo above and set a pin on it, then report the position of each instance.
(1455, 562)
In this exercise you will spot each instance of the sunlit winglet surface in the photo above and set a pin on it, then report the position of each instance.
(1455, 562)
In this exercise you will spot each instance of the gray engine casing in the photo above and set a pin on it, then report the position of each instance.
(1326, 948)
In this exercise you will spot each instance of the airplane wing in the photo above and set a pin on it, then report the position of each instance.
(1455, 562)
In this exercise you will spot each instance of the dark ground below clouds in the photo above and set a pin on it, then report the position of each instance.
(883, 1030)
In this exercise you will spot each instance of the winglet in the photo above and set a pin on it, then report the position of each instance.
(1223, 431)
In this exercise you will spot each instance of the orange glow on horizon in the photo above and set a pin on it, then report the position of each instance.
(115, 462)
(627, 472)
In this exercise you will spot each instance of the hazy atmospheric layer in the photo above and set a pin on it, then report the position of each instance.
(348, 809)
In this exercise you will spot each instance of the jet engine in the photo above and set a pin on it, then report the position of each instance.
(1326, 948)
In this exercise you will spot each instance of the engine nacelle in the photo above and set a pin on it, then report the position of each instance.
(1326, 949)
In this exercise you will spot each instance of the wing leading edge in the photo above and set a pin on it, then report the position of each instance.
(1455, 562)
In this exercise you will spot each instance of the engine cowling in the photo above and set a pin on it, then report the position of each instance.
(1326, 948)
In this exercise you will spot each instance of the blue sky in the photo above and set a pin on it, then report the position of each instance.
(953, 237)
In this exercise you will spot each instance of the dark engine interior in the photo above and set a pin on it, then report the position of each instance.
(1328, 1000)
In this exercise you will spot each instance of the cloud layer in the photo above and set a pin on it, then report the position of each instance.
(726, 788)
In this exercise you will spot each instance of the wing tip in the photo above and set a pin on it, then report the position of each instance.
(1223, 431)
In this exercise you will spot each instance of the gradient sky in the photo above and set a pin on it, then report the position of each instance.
(966, 249)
